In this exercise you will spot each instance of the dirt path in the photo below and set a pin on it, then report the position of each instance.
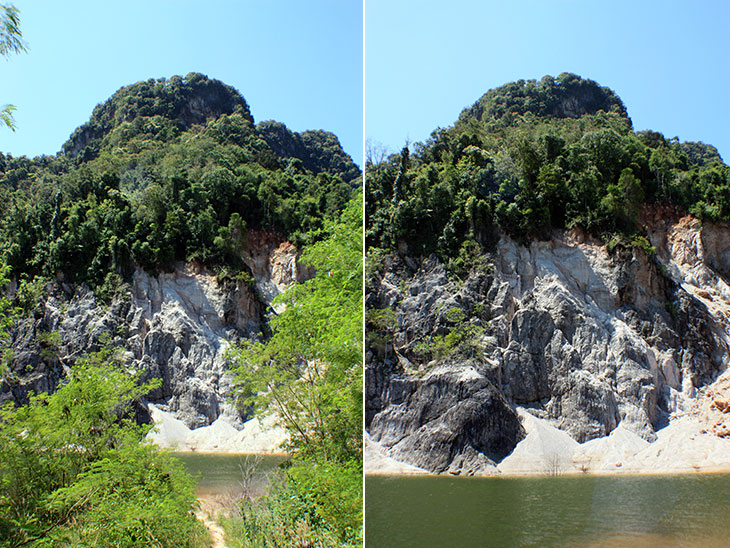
(208, 513)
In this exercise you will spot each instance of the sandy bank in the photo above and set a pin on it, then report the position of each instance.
(219, 437)
(684, 446)
(377, 461)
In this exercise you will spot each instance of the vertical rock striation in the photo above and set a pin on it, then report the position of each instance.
(175, 326)
(587, 339)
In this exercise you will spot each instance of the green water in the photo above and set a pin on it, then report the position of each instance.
(583, 511)
(230, 475)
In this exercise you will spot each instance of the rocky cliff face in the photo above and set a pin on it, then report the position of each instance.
(175, 326)
(587, 339)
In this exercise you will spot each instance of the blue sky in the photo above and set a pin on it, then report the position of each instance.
(669, 61)
(298, 62)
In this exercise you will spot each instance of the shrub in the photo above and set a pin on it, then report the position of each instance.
(74, 469)
(313, 504)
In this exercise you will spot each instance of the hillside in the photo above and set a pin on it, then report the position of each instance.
(540, 260)
(165, 171)
(166, 226)
(529, 157)
(139, 274)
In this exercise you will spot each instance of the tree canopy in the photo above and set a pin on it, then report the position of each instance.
(530, 157)
(165, 171)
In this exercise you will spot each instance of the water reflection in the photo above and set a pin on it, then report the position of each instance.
(231, 475)
(576, 511)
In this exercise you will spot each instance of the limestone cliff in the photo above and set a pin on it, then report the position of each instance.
(589, 340)
(175, 326)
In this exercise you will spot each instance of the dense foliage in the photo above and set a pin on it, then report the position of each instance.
(74, 470)
(7, 316)
(310, 374)
(530, 157)
(165, 170)
(565, 96)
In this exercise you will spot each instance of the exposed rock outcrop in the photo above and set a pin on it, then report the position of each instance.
(193, 99)
(588, 340)
(175, 326)
(451, 420)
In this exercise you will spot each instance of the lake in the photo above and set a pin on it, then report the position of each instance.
(230, 474)
(577, 511)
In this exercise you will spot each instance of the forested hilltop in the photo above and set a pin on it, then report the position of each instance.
(166, 170)
(531, 156)
(555, 279)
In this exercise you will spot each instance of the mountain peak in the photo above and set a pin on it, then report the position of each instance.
(181, 102)
(567, 96)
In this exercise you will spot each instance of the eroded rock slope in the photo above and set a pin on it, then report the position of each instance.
(175, 326)
(586, 338)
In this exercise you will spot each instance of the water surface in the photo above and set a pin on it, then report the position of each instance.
(578, 511)
(230, 474)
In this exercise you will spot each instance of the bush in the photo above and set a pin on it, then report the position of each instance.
(313, 504)
(30, 292)
(136, 496)
(464, 337)
(334, 492)
(74, 469)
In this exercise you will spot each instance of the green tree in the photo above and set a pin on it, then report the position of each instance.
(74, 469)
(7, 316)
(623, 201)
(307, 371)
(11, 41)
(661, 163)
(309, 374)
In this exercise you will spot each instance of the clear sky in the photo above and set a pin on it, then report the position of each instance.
(669, 61)
(297, 62)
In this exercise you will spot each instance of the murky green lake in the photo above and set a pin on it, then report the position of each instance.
(689, 511)
(230, 474)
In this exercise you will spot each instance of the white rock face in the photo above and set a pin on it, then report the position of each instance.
(604, 346)
(180, 319)
(274, 264)
(175, 326)
(681, 447)
(377, 461)
(185, 321)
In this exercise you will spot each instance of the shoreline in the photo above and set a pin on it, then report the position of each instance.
(543, 475)
(255, 436)
(683, 447)
(226, 453)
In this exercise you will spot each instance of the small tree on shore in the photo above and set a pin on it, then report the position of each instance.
(309, 373)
